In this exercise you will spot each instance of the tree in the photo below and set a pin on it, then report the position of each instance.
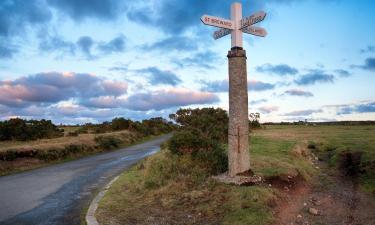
(254, 120)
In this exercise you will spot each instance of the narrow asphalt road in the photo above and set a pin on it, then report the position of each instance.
(58, 194)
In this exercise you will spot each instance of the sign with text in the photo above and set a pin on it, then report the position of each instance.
(237, 25)
(217, 22)
(221, 33)
(257, 31)
(253, 19)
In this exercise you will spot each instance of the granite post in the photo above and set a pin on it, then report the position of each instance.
(238, 130)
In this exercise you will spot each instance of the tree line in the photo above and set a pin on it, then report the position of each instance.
(24, 130)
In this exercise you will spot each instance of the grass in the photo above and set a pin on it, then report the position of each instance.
(330, 142)
(167, 189)
(76, 147)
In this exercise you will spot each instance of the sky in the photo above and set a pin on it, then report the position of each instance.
(80, 61)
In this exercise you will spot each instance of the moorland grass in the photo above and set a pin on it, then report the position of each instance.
(167, 189)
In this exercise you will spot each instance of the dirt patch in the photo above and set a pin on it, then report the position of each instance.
(334, 199)
(286, 182)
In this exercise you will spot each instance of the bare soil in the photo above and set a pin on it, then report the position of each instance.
(333, 199)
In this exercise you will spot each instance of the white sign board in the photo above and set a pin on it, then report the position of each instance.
(237, 25)
(257, 31)
(253, 19)
(221, 33)
(217, 22)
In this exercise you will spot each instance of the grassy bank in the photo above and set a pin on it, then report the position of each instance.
(170, 189)
(16, 156)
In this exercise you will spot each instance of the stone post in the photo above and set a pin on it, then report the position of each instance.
(238, 132)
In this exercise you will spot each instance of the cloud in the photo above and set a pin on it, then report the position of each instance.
(222, 86)
(343, 73)
(53, 87)
(15, 16)
(364, 107)
(82, 9)
(315, 76)
(119, 68)
(115, 45)
(6, 52)
(163, 99)
(176, 17)
(207, 60)
(254, 85)
(85, 44)
(307, 112)
(215, 86)
(157, 76)
(298, 92)
(268, 109)
(173, 43)
(103, 102)
(368, 65)
(255, 102)
(280, 69)
(368, 49)
(57, 43)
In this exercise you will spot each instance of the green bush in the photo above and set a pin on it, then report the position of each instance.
(24, 130)
(107, 142)
(201, 135)
(50, 154)
(74, 148)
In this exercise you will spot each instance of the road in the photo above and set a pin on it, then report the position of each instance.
(58, 194)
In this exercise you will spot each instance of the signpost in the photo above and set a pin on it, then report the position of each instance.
(238, 129)
(217, 22)
(253, 19)
(257, 31)
(221, 33)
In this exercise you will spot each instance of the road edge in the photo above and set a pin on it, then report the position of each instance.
(90, 215)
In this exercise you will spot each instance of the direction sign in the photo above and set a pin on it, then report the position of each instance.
(221, 33)
(217, 22)
(257, 31)
(253, 19)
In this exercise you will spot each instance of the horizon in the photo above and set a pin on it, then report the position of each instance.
(76, 62)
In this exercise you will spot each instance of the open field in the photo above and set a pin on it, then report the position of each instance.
(170, 189)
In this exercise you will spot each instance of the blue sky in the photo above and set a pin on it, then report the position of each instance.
(78, 61)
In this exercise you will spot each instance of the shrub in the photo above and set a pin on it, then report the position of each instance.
(201, 135)
(74, 148)
(50, 154)
(73, 134)
(23, 130)
(8, 155)
(107, 142)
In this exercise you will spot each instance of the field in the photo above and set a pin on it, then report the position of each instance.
(16, 156)
(298, 163)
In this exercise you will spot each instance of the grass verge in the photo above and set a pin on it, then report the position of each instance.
(171, 189)
(167, 189)
(20, 156)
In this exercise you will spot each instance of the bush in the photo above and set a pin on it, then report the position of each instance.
(8, 155)
(50, 154)
(201, 135)
(107, 142)
(24, 130)
(73, 134)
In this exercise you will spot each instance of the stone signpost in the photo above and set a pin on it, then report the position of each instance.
(238, 132)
